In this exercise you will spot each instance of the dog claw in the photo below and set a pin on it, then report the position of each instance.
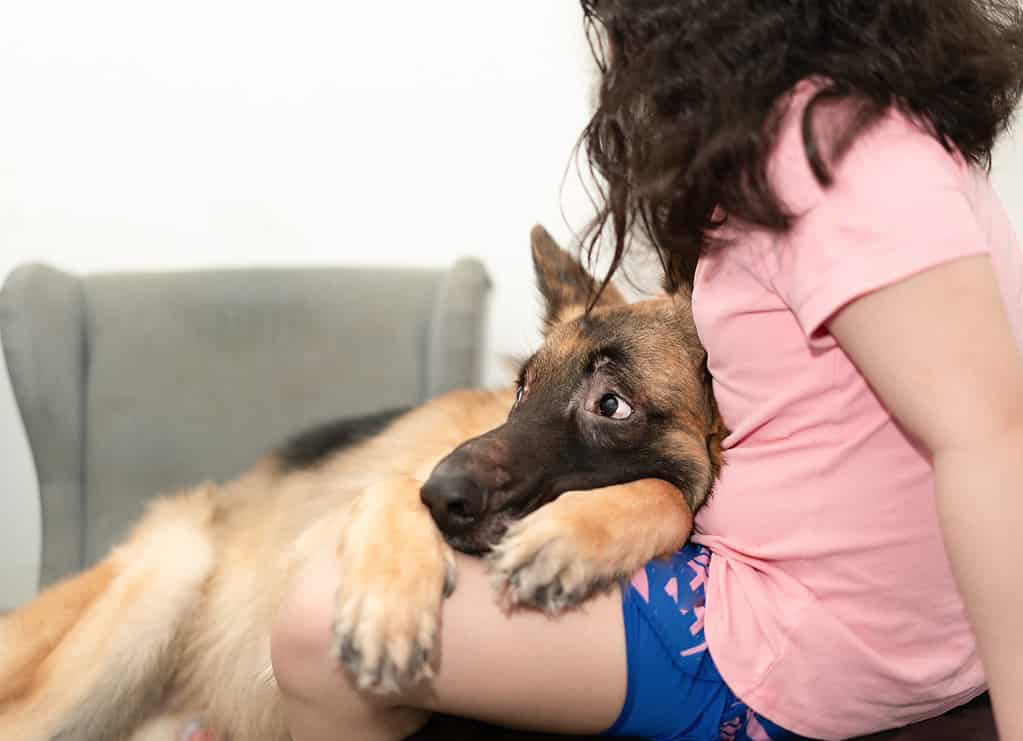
(536, 566)
(390, 672)
(349, 655)
(380, 655)
(450, 576)
(387, 613)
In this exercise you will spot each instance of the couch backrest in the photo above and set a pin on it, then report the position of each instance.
(132, 384)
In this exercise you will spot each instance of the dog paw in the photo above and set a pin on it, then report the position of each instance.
(395, 570)
(549, 561)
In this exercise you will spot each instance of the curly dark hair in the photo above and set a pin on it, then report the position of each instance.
(689, 91)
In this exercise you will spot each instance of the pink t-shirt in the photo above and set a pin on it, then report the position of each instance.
(831, 606)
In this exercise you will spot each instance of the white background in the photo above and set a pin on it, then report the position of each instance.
(218, 132)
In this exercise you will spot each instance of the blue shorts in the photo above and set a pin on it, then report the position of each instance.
(674, 688)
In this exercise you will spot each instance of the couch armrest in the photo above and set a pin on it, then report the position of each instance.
(39, 301)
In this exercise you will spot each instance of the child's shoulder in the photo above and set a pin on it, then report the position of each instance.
(894, 151)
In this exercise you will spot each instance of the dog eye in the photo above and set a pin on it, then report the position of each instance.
(519, 391)
(614, 406)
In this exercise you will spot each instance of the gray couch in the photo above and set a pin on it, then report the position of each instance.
(132, 384)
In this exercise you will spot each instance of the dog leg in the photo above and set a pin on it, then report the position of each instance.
(88, 659)
(585, 542)
(395, 569)
(29, 635)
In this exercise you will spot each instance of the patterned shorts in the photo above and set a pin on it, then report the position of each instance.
(674, 688)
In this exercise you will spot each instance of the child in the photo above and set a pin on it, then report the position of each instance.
(816, 171)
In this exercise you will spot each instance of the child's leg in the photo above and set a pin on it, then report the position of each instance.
(563, 674)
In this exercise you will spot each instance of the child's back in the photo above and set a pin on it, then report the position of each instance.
(830, 570)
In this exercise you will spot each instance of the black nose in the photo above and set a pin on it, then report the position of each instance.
(455, 499)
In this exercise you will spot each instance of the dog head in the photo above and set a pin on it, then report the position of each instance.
(614, 394)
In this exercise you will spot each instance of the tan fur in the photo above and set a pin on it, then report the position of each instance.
(49, 618)
(373, 620)
(583, 541)
(163, 728)
(150, 582)
(191, 595)
(568, 313)
(176, 621)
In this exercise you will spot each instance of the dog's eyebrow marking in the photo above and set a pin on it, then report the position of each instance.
(609, 354)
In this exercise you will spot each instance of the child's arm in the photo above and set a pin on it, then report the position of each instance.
(938, 350)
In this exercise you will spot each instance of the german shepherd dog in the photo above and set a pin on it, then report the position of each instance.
(611, 443)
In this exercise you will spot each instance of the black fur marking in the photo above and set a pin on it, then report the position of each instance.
(313, 446)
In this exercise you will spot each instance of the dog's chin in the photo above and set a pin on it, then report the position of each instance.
(481, 538)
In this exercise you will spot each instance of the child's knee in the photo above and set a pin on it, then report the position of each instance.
(314, 687)
(318, 697)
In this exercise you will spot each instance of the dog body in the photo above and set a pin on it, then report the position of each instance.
(176, 620)
(179, 614)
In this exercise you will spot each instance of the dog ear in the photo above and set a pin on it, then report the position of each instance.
(566, 287)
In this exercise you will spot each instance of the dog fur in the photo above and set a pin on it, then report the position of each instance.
(176, 620)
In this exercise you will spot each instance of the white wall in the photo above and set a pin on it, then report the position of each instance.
(196, 133)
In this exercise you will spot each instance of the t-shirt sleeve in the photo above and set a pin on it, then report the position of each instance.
(900, 203)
